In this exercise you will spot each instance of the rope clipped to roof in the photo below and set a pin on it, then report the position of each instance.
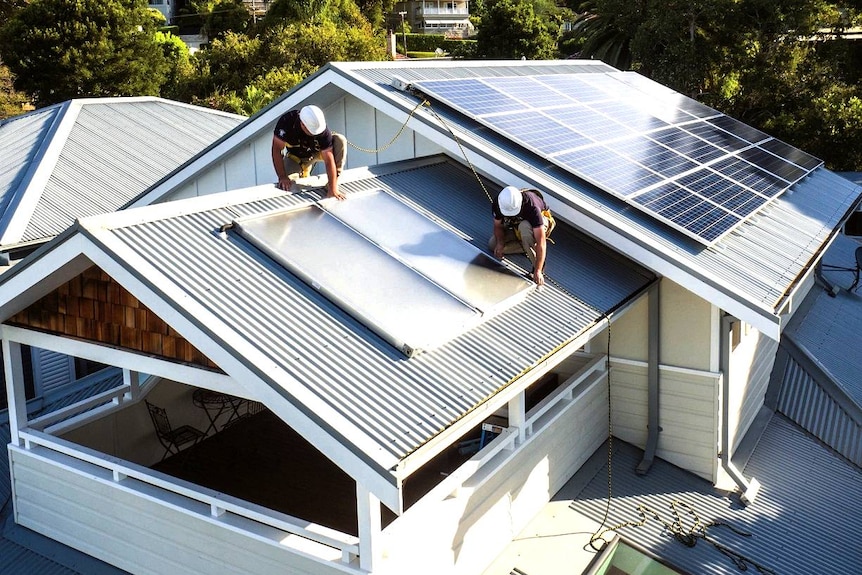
(689, 536)
(395, 137)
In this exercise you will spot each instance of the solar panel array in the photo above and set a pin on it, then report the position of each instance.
(683, 162)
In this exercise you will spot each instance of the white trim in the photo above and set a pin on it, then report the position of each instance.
(128, 360)
(15, 396)
(125, 475)
(42, 167)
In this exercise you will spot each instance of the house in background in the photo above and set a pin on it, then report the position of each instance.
(448, 17)
(202, 300)
(80, 158)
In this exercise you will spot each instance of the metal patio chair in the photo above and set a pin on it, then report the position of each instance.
(252, 408)
(172, 439)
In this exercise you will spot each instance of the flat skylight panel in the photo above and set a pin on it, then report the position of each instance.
(408, 279)
(629, 135)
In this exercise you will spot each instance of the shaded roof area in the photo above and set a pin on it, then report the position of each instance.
(804, 520)
(364, 391)
(828, 327)
(90, 156)
(758, 264)
(816, 379)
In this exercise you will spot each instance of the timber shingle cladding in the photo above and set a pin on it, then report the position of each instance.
(94, 307)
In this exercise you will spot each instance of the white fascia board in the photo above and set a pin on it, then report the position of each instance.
(187, 374)
(177, 208)
(41, 169)
(644, 251)
(318, 423)
(28, 281)
(265, 120)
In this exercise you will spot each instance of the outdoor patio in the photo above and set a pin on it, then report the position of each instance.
(261, 460)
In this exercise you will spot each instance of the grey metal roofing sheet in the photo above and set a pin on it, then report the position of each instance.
(115, 150)
(22, 141)
(818, 409)
(804, 520)
(829, 329)
(762, 258)
(398, 403)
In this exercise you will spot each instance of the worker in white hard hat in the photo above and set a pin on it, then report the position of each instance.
(520, 227)
(300, 139)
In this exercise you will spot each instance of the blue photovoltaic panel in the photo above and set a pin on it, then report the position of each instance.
(684, 163)
(762, 182)
(576, 88)
(737, 128)
(617, 174)
(700, 151)
(538, 131)
(791, 154)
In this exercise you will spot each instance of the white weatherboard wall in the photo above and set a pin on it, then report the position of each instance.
(688, 413)
(750, 368)
(250, 164)
(144, 531)
(465, 531)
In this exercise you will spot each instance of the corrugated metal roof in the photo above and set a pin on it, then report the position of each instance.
(397, 404)
(22, 140)
(762, 259)
(820, 410)
(819, 386)
(804, 520)
(115, 150)
(829, 329)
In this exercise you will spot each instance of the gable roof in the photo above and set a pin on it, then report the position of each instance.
(752, 273)
(90, 156)
(358, 400)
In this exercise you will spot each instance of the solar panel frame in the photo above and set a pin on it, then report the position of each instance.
(660, 151)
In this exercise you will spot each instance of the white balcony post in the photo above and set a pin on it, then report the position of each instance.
(518, 416)
(133, 380)
(15, 395)
(368, 512)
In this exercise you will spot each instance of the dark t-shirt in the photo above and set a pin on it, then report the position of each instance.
(531, 210)
(289, 129)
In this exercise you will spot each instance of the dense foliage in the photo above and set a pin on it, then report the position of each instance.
(62, 49)
(780, 66)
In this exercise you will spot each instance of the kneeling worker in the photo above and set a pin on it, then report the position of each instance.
(300, 139)
(521, 227)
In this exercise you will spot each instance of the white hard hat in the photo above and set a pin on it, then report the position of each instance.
(510, 201)
(313, 120)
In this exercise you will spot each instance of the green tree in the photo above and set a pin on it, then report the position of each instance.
(179, 65)
(12, 102)
(511, 29)
(226, 16)
(64, 49)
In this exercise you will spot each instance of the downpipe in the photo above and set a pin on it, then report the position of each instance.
(748, 489)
